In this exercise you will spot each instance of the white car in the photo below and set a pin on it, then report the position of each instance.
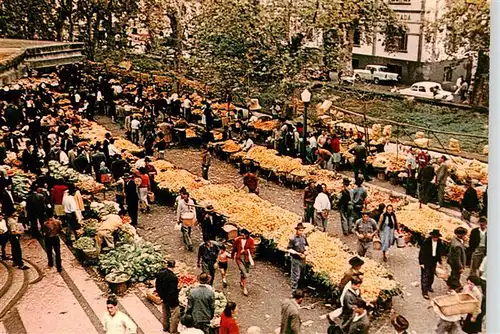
(427, 89)
(375, 73)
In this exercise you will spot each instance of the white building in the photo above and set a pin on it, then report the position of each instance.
(416, 59)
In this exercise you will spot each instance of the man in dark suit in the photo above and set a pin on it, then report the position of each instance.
(66, 143)
(457, 258)
(7, 201)
(35, 210)
(29, 158)
(477, 246)
(132, 199)
(429, 255)
(12, 143)
(97, 158)
(424, 179)
(167, 288)
(359, 323)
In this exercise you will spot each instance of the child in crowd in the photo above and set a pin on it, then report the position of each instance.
(222, 260)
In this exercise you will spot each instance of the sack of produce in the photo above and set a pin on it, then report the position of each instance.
(422, 142)
(387, 132)
(419, 135)
(454, 145)
(442, 272)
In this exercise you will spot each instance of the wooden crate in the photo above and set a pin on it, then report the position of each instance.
(456, 304)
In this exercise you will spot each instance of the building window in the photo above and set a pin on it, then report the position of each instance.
(400, 2)
(448, 74)
(402, 42)
(355, 63)
(396, 39)
(357, 37)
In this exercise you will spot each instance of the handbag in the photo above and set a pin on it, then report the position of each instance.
(151, 197)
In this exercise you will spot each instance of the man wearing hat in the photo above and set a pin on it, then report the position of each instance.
(431, 252)
(470, 201)
(365, 229)
(457, 258)
(441, 177)
(346, 207)
(297, 246)
(210, 225)
(356, 264)
(477, 246)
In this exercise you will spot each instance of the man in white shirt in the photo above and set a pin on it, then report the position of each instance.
(72, 212)
(112, 148)
(135, 126)
(247, 144)
(186, 215)
(116, 322)
(322, 139)
(186, 107)
(322, 206)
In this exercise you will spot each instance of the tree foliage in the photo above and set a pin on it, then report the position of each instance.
(342, 19)
(464, 28)
(239, 44)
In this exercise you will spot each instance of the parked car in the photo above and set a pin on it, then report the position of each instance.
(376, 73)
(428, 89)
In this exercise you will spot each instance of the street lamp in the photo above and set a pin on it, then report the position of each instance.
(305, 96)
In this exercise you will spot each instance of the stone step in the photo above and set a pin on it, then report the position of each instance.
(15, 291)
(53, 47)
(54, 55)
(54, 61)
(5, 278)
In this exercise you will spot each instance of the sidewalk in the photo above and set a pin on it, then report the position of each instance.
(69, 302)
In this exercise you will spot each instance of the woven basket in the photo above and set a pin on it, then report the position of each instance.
(456, 304)
(442, 273)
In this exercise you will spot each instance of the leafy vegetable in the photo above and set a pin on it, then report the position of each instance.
(141, 261)
(84, 243)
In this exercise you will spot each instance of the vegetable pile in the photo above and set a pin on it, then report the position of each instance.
(84, 243)
(142, 261)
(21, 184)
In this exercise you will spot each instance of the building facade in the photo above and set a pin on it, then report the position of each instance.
(416, 59)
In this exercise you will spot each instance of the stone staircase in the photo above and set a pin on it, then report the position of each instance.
(14, 283)
(36, 55)
(53, 55)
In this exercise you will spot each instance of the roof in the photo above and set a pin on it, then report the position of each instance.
(427, 83)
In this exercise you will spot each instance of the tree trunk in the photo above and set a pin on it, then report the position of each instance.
(346, 52)
(69, 7)
(480, 94)
(177, 34)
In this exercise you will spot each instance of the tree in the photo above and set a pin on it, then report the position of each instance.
(464, 28)
(28, 19)
(246, 45)
(341, 20)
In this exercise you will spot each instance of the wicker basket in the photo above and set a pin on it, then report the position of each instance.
(377, 243)
(117, 287)
(442, 273)
(456, 304)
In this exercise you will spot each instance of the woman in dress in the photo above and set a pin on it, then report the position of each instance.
(473, 322)
(228, 324)
(387, 225)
